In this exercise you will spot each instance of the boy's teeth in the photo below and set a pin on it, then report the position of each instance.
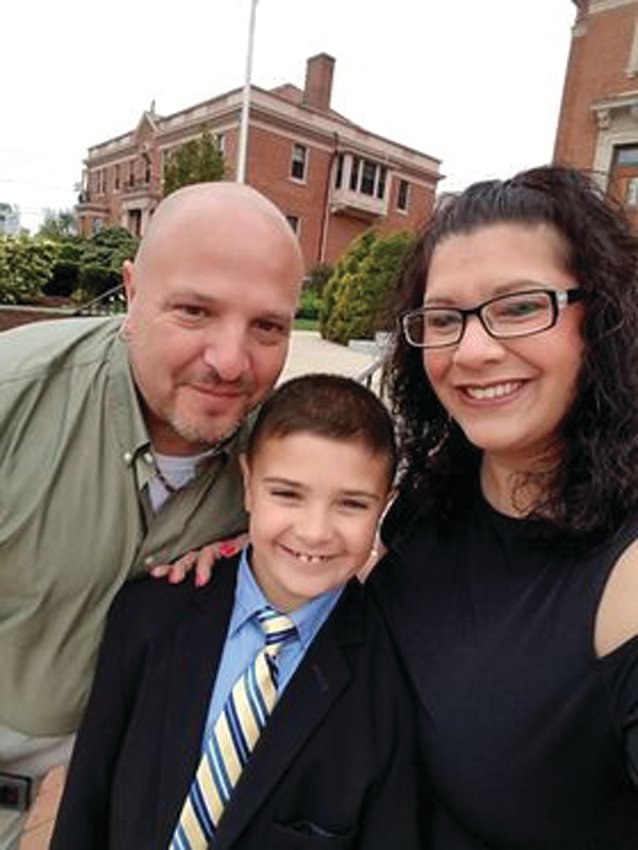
(495, 391)
(309, 559)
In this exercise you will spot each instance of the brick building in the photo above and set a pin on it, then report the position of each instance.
(598, 124)
(331, 178)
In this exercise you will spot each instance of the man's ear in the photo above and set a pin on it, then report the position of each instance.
(246, 477)
(128, 279)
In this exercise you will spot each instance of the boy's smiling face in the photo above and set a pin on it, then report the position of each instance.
(314, 505)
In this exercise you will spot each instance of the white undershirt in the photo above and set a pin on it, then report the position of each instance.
(177, 470)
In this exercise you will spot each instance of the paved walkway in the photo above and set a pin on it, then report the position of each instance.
(310, 353)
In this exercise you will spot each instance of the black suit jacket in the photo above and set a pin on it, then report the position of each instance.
(334, 768)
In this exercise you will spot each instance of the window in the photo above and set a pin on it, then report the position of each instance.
(354, 174)
(383, 171)
(117, 176)
(135, 222)
(366, 177)
(339, 172)
(131, 172)
(220, 142)
(368, 174)
(403, 195)
(627, 156)
(298, 163)
(293, 221)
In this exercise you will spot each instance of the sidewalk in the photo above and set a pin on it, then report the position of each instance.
(309, 353)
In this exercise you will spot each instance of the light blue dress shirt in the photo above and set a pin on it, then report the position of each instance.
(245, 638)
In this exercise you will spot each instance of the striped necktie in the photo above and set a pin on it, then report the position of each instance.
(234, 735)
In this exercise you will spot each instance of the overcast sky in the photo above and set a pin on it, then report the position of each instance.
(475, 84)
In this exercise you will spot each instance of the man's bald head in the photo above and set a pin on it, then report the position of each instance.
(227, 205)
(212, 295)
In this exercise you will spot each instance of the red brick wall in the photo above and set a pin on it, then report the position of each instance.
(596, 69)
(11, 317)
(269, 171)
(420, 203)
(269, 158)
(342, 231)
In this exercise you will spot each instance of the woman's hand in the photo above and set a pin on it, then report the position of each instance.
(201, 560)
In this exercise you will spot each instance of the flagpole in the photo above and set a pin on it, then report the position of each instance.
(245, 106)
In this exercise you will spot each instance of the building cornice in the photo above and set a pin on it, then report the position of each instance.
(329, 129)
(596, 6)
(604, 109)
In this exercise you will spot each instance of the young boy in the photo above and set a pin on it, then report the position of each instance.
(197, 735)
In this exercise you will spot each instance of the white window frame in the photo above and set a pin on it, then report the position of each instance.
(296, 147)
(632, 64)
(631, 196)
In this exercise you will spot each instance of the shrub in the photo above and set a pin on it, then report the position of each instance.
(309, 305)
(64, 279)
(26, 265)
(95, 279)
(358, 291)
(317, 278)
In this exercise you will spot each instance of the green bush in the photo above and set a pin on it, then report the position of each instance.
(317, 278)
(309, 305)
(357, 293)
(109, 248)
(26, 265)
(64, 279)
(95, 279)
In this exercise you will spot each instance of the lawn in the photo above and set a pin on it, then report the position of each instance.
(306, 325)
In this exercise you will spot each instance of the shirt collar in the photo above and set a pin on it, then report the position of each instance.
(249, 598)
(131, 429)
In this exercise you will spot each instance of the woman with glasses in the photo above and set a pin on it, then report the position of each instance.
(512, 583)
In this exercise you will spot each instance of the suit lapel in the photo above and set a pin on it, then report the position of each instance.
(318, 681)
(190, 673)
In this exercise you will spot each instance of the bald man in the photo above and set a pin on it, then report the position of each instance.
(118, 450)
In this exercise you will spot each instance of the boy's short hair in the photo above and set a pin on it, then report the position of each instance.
(329, 406)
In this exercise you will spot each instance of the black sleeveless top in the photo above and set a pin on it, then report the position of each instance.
(522, 727)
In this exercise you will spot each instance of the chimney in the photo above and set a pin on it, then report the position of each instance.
(318, 86)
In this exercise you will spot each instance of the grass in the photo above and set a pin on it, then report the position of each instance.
(306, 325)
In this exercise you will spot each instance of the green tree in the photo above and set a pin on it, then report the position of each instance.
(58, 225)
(26, 265)
(101, 260)
(347, 263)
(317, 278)
(109, 248)
(358, 292)
(196, 161)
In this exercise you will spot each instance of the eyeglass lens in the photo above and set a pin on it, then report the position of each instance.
(513, 315)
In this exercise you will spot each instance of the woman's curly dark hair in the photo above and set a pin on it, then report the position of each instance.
(595, 483)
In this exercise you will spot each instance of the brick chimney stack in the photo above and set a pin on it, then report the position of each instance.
(318, 86)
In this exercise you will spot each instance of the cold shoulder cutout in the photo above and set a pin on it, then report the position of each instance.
(617, 615)
(530, 740)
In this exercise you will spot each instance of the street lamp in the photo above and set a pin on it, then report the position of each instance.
(245, 106)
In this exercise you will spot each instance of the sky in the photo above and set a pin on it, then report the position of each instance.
(476, 84)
